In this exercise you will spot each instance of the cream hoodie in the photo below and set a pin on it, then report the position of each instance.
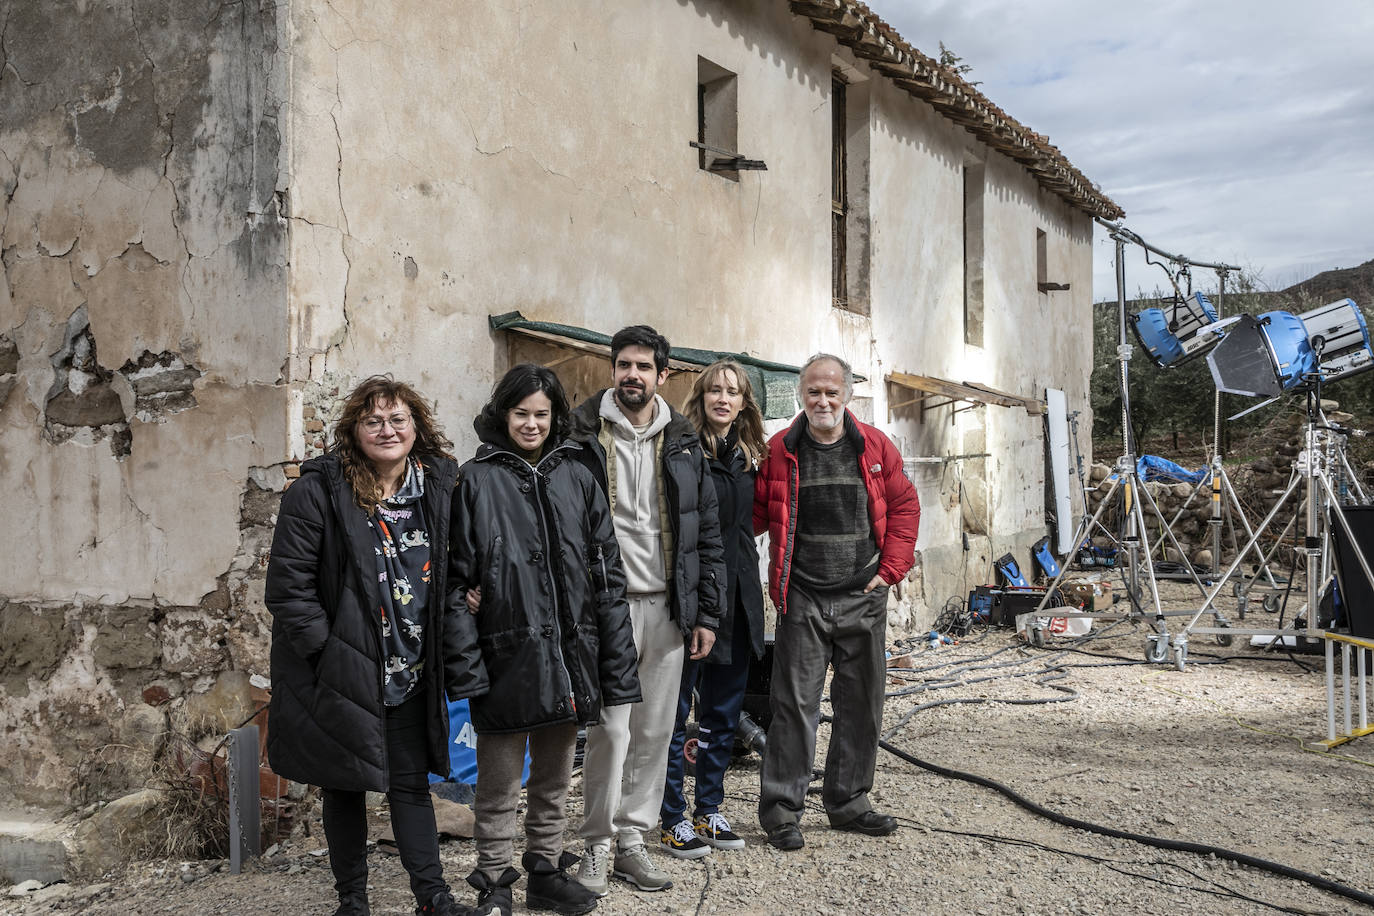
(634, 491)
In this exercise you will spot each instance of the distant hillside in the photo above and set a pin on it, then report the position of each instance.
(1328, 286)
(1343, 283)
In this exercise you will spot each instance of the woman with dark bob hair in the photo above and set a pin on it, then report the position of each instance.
(727, 418)
(534, 543)
(363, 638)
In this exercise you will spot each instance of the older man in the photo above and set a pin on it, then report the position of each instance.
(841, 518)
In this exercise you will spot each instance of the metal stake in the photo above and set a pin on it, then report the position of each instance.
(245, 803)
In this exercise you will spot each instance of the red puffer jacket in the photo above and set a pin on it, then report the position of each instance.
(893, 505)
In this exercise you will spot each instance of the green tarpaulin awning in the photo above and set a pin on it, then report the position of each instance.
(775, 384)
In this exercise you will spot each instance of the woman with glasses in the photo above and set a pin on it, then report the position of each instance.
(727, 418)
(533, 540)
(356, 586)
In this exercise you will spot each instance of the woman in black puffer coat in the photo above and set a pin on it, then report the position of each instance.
(363, 636)
(727, 418)
(533, 539)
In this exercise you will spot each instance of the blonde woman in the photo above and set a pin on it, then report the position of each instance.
(728, 420)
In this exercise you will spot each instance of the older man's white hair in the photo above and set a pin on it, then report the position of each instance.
(844, 368)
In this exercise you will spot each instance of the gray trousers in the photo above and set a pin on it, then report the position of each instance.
(500, 763)
(847, 631)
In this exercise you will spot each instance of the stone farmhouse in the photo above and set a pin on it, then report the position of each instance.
(216, 217)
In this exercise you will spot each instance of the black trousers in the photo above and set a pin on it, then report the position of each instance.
(412, 811)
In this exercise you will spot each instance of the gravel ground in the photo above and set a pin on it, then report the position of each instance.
(1215, 754)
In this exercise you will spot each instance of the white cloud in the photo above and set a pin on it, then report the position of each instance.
(1230, 130)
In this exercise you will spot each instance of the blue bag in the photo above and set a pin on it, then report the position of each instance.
(462, 747)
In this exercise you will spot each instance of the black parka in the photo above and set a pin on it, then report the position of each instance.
(696, 583)
(327, 720)
(553, 630)
(734, 483)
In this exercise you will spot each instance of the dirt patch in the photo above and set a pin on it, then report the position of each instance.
(1214, 754)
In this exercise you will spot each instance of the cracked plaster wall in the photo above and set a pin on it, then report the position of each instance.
(143, 334)
(532, 156)
(524, 156)
(1031, 340)
(165, 249)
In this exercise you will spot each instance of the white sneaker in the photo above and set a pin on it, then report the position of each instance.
(636, 867)
(591, 873)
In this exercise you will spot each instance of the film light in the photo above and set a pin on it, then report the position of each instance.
(1279, 351)
(1182, 331)
(1341, 338)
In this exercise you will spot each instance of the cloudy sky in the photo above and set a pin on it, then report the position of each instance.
(1235, 131)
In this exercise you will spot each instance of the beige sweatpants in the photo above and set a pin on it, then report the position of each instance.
(627, 754)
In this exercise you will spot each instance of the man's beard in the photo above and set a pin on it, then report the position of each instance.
(827, 422)
(632, 396)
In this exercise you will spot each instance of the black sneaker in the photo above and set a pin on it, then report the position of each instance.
(550, 887)
(681, 841)
(715, 831)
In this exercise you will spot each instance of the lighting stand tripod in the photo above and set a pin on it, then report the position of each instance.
(1221, 514)
(1221, 486)
(1134, 496)
(1315, 471)
(1087, 520)
(1348, 479)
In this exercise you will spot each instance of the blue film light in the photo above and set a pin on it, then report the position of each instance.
(1279, 351)
(1180, 332)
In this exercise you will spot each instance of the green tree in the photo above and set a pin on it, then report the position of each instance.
(955, 64)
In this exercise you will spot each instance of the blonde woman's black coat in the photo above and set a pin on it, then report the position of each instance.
(553, 631)
(327, 722)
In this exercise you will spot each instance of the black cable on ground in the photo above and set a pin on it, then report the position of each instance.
(1277, 868)
(1119, 866)
(706, 886)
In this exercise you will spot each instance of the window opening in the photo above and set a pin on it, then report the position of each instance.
(973, 255)
(718, 121)
(839, 197)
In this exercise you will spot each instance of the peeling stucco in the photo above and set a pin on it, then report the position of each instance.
(143, 330)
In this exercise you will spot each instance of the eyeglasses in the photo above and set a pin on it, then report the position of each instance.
(373, 425)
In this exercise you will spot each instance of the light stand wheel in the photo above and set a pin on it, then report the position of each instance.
(1271, 603)
(1180, 655)
(1156, 648)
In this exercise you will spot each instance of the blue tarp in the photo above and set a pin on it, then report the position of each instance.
(462, 748)
(1152, 467)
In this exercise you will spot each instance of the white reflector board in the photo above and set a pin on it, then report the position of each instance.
(1057, 419)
